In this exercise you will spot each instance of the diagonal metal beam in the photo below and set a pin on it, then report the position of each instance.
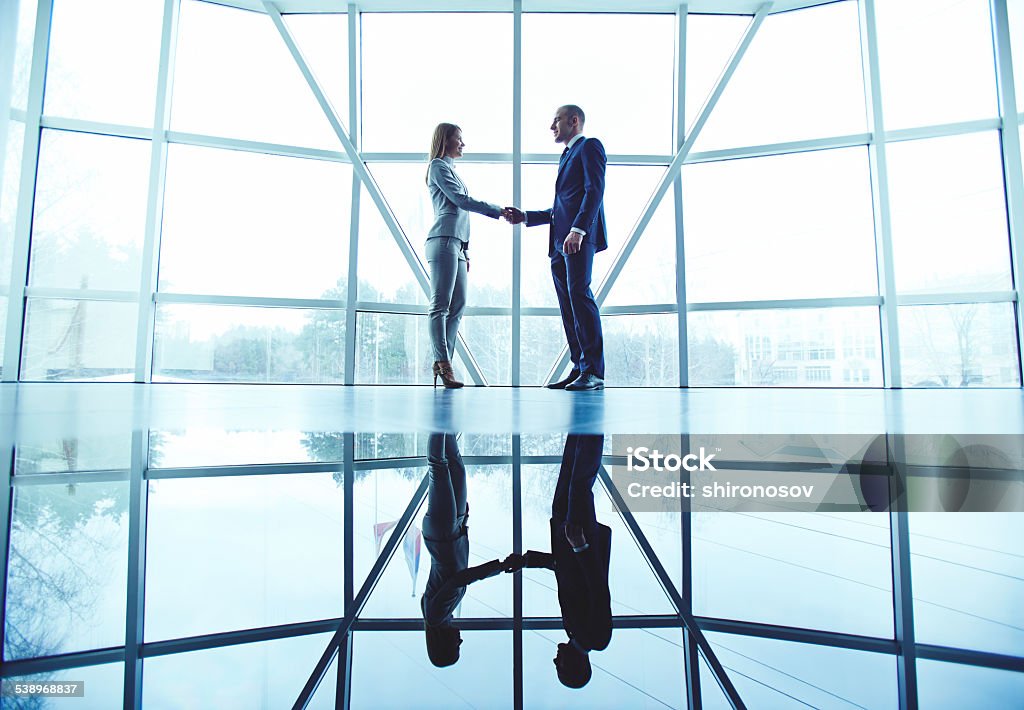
(1011, 145)
(16, 300)
(342, 633)
(892, 368)
(681, 605)
(671, 173)
(366, 178)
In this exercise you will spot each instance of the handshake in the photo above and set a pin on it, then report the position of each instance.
(513, 215)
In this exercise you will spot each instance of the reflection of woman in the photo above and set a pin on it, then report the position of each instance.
(446, 536)
(447, 246)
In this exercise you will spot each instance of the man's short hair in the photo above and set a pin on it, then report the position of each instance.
(574, 110)
(443, 645)
(573, 667)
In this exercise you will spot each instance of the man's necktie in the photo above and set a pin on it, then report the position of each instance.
(562, 159)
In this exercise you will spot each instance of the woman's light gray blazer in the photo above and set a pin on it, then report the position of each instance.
(452, 203)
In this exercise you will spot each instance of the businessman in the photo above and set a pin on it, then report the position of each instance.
(576, 233)
(580, 557)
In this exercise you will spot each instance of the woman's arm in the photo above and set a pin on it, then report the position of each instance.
(442, 176)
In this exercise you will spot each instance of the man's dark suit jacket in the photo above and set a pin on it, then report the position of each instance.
(579, 197)
(583, 592)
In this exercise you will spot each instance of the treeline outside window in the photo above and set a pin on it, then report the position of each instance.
(257, 198)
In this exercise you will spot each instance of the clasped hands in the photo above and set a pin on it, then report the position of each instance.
(514, 215)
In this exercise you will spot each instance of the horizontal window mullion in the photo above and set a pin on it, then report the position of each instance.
(949, 299)
(770, 149)
(75, 125)
(254, 301)
(78, 294)
(280, 149)
(69, 477)
(848, 302)
(940, 130)
(638, 310)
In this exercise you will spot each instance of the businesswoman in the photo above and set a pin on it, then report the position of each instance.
(447, 246)
(446, 535)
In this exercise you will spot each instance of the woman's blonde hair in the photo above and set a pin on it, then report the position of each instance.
(442, 133)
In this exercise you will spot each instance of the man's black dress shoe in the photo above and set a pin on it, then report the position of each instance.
(586, 381)
(561, 384)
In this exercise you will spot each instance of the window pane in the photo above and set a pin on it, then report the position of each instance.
(539, 194)
(649, 275)
(378, 445)
(963, 345)
(710, 41)
(262, 675)
(953, 556)
(481, 678)
(394, 349)
(489, 494)
(79, 340)
(490, 340)
(40, 450)
(10, 189)
(1015, 10)
(948, 685)
(104, 686)
(103, 60)
(641, 350)
(770, 673)
(247, 224)
(323, 40)
(90, 211)
(946, 193)
(3, 335)
(541, 339)
(243, 552)
(490, 239)
(384, 274)
(822, 347)
(641, 668)
(818, 571)
(208, 446)
(23, 54)
(67, 575)
(936, 62)
(628, 62)
(244, 344)
(255, 91)
(404, 100)
(794, 99)
(805, 231)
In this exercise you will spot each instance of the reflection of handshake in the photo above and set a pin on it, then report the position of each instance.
(513, 215)
(532, 558)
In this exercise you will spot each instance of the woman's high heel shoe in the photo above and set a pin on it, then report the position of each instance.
(443, 369)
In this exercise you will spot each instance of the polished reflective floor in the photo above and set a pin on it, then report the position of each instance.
(96, 407)
(220, 546)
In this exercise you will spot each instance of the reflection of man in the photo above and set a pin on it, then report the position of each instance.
(580, 556)
(577, 232)
(581, 547)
